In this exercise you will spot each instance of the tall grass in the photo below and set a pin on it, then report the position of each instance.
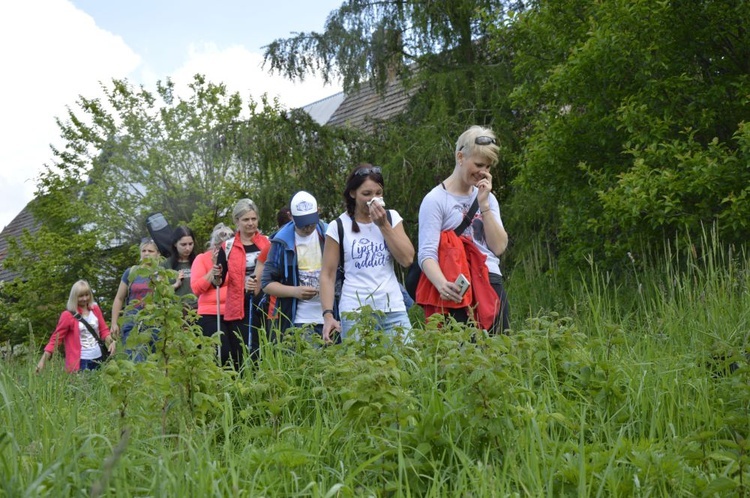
(608, 385)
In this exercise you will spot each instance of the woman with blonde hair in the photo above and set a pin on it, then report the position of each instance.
(132, 290)
(206, 284)
(461, 238)
(238, 261)
(77, 330)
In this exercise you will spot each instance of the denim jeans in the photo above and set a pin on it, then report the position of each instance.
(389, 323)
(90, 364)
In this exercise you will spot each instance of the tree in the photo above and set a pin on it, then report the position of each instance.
(135, 152)
(635, 112)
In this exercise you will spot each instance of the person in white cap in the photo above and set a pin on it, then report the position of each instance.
(292, 269)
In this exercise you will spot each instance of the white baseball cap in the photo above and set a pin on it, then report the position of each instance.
(304, 209)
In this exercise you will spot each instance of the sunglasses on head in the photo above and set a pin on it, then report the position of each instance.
(145, 240)
(367, 171)
(482, 140)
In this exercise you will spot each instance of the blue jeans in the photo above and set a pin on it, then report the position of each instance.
(90, 364)
(138, 353)
(389, 323)
(311, 329)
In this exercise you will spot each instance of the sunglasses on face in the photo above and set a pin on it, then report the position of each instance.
(367, 171)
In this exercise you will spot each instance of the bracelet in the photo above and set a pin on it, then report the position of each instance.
(484, 211)
(327, 311)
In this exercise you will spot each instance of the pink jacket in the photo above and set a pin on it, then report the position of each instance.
(68, 333)
(206, 291)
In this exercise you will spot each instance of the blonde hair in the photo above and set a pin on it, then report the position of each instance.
(243, 206)
(466, 143)
(220, 233)
(79, 288)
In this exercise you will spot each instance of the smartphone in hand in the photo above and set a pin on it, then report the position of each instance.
(463, 284)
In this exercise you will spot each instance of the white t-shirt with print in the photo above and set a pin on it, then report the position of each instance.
(90, 349)
(309, 263)
(368, 267)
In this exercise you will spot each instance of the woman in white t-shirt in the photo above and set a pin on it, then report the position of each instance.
(371, 244)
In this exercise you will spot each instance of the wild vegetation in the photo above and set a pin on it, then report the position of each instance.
(638, 387)
(623, 183)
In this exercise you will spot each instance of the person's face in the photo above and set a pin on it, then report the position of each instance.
(305, 231)
(185, 247)
(474, 167)
(365, 192)
(248, 223)
(149, 251)
(84, 298)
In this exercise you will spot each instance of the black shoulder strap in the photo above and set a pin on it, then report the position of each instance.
(340, 226)
(468, 216)
(86, 324)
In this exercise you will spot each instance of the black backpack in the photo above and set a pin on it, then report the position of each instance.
(160, 232)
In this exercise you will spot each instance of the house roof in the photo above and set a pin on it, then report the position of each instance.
(363, 108)
(23, 221)
(322, 110)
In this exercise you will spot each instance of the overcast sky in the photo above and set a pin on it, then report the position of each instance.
(54, 50)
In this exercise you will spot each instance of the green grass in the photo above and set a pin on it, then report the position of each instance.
(636, 385)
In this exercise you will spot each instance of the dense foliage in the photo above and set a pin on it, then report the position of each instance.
(640, 390)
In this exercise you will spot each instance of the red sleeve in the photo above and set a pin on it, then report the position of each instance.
(62, 330)
(103, 329)
(263, 256)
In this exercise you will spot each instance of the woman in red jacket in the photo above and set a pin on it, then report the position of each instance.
(82, 350)
(238, 260)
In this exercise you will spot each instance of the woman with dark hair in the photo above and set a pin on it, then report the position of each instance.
(181, 259)
(372, 239)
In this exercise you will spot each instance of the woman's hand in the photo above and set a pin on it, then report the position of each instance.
(449, 291)
(485, 187)
(180, 275)
(305, 292)
(112, 347)
(329, 325)
(115, 330)
(251, 284)
(42, 362)
(378, 214)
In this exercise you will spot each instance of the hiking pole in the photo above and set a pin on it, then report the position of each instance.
(218, 323)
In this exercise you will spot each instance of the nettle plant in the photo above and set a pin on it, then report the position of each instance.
(180, 378)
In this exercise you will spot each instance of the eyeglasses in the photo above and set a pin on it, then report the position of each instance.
(482, 140)
(368, 171)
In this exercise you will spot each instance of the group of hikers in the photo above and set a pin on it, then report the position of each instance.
(316, 276)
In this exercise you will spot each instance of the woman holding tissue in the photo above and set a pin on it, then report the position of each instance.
(369, 238)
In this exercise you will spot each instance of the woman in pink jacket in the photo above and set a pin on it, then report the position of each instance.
(82, 351)
(206, 282)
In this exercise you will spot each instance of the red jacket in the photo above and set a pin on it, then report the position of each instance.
(460, 255)
(68, 333)
(204, 290)
(235, 281)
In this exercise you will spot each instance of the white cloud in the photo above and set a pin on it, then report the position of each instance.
(52, 53)
(240, 70)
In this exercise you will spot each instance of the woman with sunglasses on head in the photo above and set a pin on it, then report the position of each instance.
(82, 350)
(372, 239)
(132, 289)
(464, 201)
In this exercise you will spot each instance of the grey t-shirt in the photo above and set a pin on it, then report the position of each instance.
(440, 210)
